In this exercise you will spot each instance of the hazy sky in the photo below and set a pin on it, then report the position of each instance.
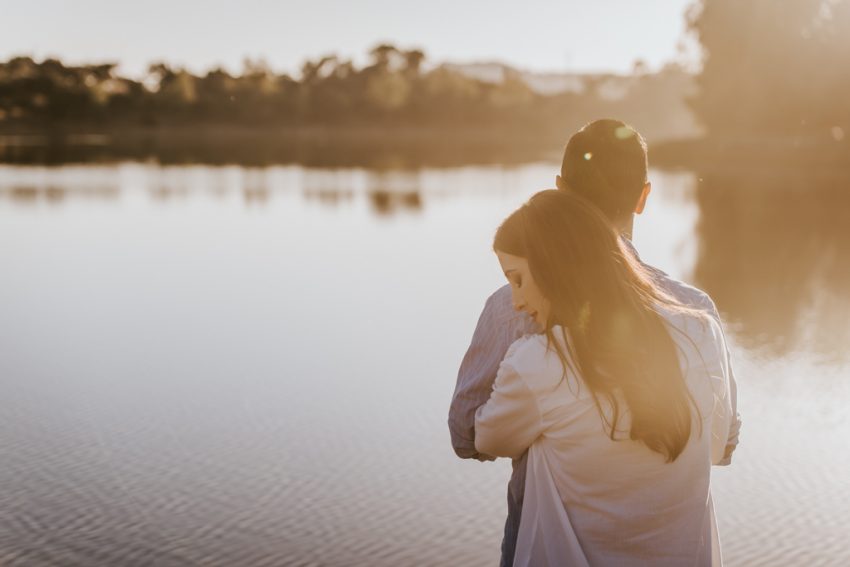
(535, 34)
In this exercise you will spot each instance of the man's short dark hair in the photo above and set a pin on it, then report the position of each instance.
(606, 163)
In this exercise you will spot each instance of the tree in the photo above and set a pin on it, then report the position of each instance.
(413, 61)
(772, 67)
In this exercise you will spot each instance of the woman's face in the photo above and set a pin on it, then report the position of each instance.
(525, 294)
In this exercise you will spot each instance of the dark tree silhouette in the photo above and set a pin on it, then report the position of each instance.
(396, 94)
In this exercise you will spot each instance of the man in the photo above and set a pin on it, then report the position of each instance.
(606, 163)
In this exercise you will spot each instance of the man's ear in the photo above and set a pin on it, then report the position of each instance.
(559, 183)
(644, 195)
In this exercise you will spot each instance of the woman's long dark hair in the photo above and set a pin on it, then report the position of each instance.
(607, 304)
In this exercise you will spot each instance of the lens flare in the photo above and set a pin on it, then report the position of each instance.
(624, 132)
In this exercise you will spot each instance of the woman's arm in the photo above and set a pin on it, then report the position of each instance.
(510, 421)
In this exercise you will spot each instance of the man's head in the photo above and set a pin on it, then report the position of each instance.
(605, 162)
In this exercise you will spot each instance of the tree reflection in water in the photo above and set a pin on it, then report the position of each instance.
(775, 255)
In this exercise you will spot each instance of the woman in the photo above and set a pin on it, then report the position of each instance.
(622, 401)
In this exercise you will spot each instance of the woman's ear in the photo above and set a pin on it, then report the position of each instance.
(644, 195)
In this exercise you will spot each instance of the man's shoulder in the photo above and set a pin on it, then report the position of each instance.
(500, 299)
(500, 305)
(684, 293)
(499, 309)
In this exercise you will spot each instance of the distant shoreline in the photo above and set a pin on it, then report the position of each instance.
(353, 146)
(386, 147)
(112, 133)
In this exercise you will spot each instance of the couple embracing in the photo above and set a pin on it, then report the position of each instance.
(605, 380)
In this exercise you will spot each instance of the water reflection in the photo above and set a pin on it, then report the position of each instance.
(29, 185)
(220, 387)
(329, 197)
(393, 192)
(775, 255)
(383, 192)
(773, 247)
(388, 202)
(386, 193)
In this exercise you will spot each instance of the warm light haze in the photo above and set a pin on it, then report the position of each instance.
(549, 35)
(393, 283)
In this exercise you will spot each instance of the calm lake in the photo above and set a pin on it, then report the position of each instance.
(253, 366)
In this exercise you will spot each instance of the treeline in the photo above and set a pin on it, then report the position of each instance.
(395, 89)
(774, 85)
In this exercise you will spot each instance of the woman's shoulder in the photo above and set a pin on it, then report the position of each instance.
(526, 349)
(534, 359)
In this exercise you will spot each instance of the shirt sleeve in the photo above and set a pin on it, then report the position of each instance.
(723, 416)
(735, 426)
(498, 327)
(510, 421)
(735, 421)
